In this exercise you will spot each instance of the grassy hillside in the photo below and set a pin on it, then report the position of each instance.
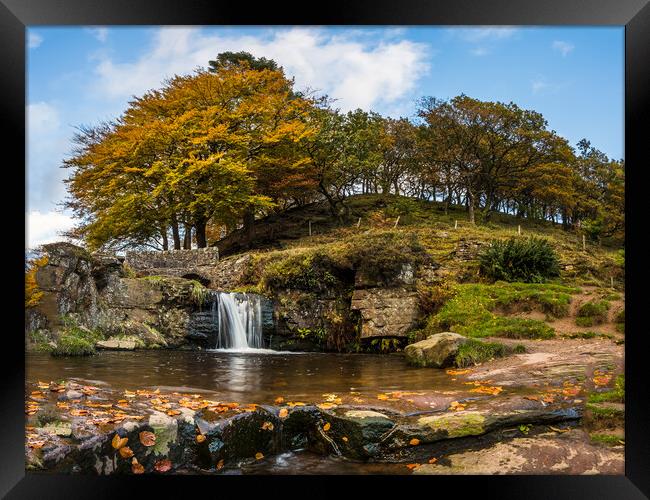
(424, 231)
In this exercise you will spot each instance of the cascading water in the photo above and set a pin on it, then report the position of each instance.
(239, 320)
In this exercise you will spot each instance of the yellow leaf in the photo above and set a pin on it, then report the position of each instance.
(382, 397)
(220, 464)
(126, 452)
(267, 426)
(283, 412)
(345, 438)
(326, 427)
(200, 438)
(279, 400)
(259, 455)
(118, 442)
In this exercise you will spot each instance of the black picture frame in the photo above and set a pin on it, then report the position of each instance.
(15, 15)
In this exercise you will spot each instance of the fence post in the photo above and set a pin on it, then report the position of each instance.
(519, 229)
(359, 222)
(309, 228)
(455, 224)
(397, 221)
(584, 242)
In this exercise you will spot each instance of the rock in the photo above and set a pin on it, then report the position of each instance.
(386, 312)
(116, 345)
(59, 428)
(437, 350)
(166, 430)
(71, 395)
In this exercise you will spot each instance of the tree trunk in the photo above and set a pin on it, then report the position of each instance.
(175, 234)
(201, 239)
(470, 206)
(165, 241)
(187, 237)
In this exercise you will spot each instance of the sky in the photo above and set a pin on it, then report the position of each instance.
(78, 76)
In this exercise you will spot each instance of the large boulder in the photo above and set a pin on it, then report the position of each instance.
(437, 350)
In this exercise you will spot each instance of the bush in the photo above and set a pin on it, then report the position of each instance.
(474, 352)
(592, 313)
(531, 261)
(75, 340)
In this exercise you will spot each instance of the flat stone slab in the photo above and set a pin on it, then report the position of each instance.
(549, 453)
(116, 345)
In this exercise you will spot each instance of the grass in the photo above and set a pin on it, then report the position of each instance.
(474, 352)
(592, 313)
(606, 439)
(75, 340)
(470, 311)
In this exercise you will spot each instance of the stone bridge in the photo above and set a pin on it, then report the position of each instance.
(197, 264)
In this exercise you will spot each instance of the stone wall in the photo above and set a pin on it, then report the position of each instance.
(172, 259)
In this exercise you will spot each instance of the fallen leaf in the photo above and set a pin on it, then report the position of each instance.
(118, 442)
(136, 467)
(220, 464)
(345, 438)
(279, 400)
(126, 452)
(382, 397)
(457, 372)
(200, 438)
(413, 466)
(532, 398)
(414, 442)
(283, 412)
(163, 465)
(147, 438)
(172, 413)
(456, 406)
(558, 430)
(327, 426)
(267, 426)
(433, 460)
(486, 389)
(259, 455)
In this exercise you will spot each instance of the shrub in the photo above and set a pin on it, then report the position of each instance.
(531, 261)
(592, 313)
(75, 340)
(473, 352)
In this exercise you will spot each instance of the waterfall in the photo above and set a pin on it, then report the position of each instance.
(239, 320)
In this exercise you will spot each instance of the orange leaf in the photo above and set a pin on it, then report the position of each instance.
(414, 442)
(382, 397)
(171, 413)
(126, 452)
(118, 442)
(283, 413)
(136, 467)
(345, 438)
(267, 426)
(413, 466)
(163, 465)
(279, 400)
(433, 460)
(326, 427)
(220, 464)
(259, 456)
(147, 438)
(200, 438)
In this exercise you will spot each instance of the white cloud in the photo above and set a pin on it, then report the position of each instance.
(100, 33)
(480, 51)
(562, 47)
(42, 117)
(34, 40)
(539, 85)
(355, 70)
(45, 227)
(484, 33)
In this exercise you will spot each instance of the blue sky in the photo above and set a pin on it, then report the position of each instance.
(574, 76)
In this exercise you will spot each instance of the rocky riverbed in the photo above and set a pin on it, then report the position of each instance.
(521, 414)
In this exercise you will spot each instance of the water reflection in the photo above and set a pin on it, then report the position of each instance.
(246, 377)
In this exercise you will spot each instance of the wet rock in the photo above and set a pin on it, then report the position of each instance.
(70, 395)
(436, 351)
(166, 430)
(58, 428)
(116, 345)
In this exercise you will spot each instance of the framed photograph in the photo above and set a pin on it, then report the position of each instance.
(383, 242)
